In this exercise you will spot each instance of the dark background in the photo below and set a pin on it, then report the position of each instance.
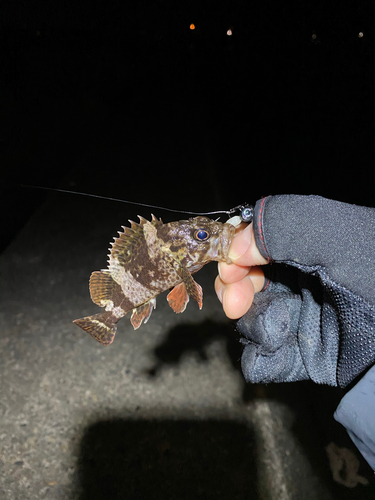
(123, 99)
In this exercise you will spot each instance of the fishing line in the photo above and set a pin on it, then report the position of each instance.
(245, 209)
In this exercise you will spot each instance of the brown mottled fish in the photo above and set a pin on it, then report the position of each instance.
(147, 259)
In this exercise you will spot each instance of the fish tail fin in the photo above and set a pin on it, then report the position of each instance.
(101, 326)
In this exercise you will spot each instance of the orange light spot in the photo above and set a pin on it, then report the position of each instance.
(192, 26)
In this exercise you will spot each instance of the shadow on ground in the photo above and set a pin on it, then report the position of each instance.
(312, 405)
(213, 458)
(167, 460)
(196, 338)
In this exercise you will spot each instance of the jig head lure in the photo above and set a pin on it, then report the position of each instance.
(246, 213)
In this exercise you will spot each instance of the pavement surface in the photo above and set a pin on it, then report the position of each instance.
(161, 413)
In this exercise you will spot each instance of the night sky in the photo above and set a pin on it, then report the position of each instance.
(123, 99)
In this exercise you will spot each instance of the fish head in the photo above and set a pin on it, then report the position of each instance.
(199, 240)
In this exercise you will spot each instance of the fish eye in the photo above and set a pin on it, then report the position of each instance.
(201, 235)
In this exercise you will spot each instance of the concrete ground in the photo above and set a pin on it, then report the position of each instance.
(161, 413)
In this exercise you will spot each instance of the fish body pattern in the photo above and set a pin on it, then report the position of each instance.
(147, 259)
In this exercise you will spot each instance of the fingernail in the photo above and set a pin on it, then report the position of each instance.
(219, 294)
(240, 244)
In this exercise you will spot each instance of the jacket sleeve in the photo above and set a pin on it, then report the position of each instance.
(356, 412)
(330, 244)
(315, 317)
(320, 236)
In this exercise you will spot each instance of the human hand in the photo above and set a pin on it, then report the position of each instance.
(316, 317)
(238, 282)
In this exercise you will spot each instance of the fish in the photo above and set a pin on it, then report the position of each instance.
(147, 259)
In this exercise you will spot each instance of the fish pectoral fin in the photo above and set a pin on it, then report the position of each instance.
(192, 287)
(178, 298)
(142, 313)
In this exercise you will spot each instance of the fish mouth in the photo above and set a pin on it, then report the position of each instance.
(226, 238)
(219, 247)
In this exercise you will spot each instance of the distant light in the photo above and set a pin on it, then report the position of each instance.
(192, 26)
(229, 32)
(360, 34)
(313, 36)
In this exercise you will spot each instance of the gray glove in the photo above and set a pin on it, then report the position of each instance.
(316, 316)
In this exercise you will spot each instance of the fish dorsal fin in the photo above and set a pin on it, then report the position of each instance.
(123, 247)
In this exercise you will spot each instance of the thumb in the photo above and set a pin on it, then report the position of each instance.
(243, 250)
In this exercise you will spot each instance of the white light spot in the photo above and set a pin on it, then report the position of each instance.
(313, 36)
(360, 34)
(229, 32)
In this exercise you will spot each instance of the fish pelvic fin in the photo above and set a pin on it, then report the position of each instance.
(101, 326)
(178, 298)
(192, 287)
